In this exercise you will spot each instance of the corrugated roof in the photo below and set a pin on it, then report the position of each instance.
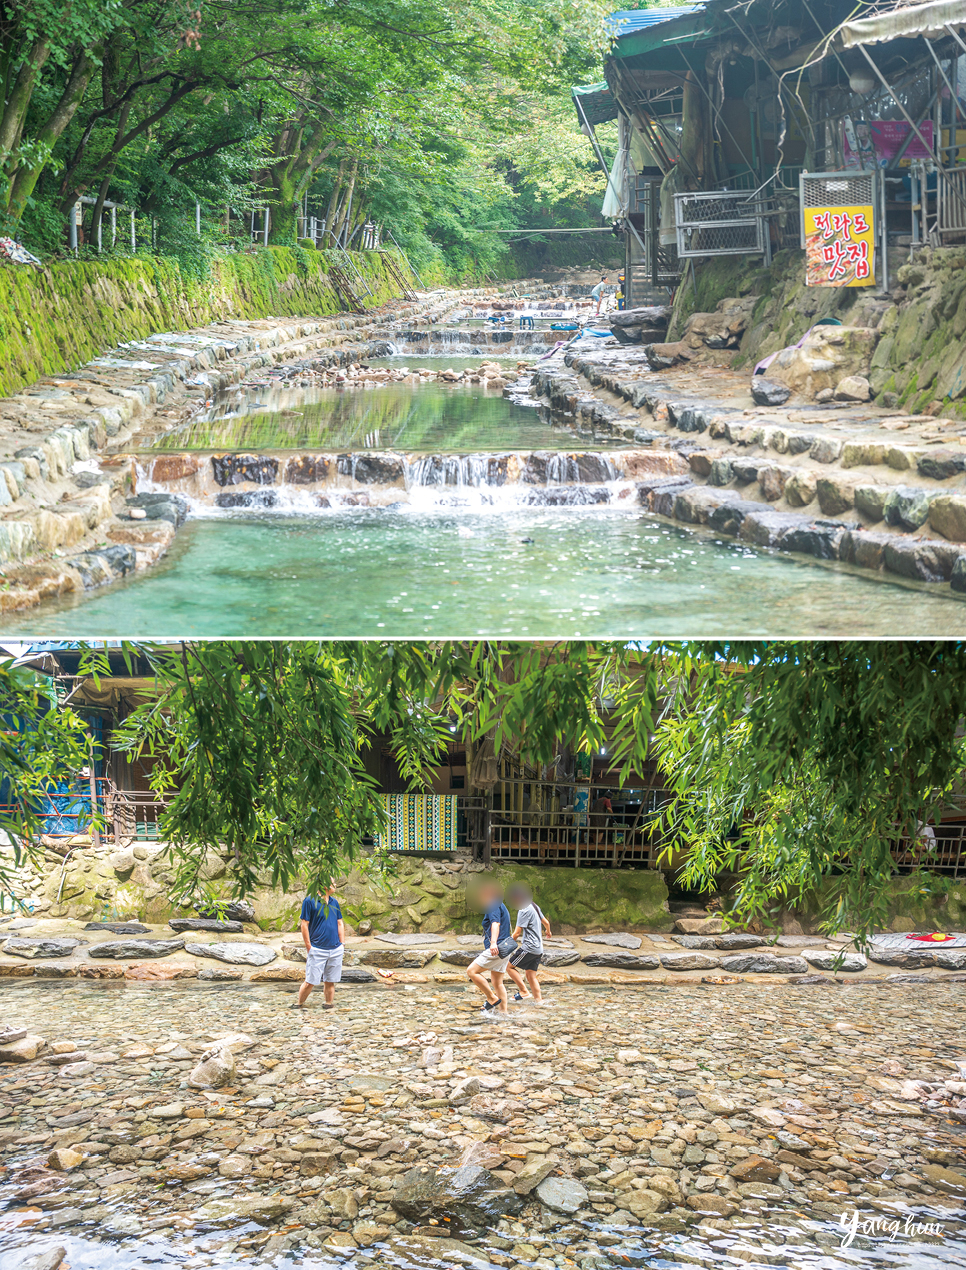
(908, 21)
(626, 21)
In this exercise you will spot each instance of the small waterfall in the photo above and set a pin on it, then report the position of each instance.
(464, 471)
(562, 469)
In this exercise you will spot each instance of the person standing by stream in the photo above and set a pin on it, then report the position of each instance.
(496, 932)
(323, 932)
(528, 956)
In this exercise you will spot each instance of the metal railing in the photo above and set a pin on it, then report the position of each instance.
(721, 223)
(564, 823)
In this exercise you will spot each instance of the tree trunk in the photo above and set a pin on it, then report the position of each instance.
(346, 203)
(333, 201)
(16, 107)
(283, 222)
(22, 185)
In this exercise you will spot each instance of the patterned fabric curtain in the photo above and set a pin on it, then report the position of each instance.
(419, 822)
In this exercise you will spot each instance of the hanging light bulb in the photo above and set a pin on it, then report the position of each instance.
(861, 82)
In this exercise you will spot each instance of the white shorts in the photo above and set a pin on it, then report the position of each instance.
(324, 965)
(485, 962)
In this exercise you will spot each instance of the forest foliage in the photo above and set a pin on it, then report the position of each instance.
(445, 123)
(794, 770)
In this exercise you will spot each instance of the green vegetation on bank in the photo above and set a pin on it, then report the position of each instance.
(55, 319)
(444, 124)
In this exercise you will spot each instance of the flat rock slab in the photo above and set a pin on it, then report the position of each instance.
(234, 954)
(555, 941)
(393, 959)
(910, 959)
(261, 1208)
(624, 960)
(123, 948)
(738, 940)
(370, 1084)
(206, 924)
(800, 941)
(120, 928)
(617, 940)
(751, 965)
(423, 1250)
(688, 961)
(562, 1194)
(696, 941)
(822, 959)
(34, 948)
(457, 957)
(554, 957)
(411, 941)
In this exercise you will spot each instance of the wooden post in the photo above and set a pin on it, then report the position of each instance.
(95, 833)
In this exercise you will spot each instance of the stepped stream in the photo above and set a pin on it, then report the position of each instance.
(427, 508)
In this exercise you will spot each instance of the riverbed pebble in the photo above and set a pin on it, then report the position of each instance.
(599, 1130)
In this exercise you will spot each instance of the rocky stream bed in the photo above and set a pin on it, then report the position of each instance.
(212, 1125)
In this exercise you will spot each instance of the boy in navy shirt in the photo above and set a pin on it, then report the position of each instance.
(496, 929)
(323, 931)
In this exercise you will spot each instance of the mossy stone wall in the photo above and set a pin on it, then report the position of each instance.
(54, 319)
(926, 903)
(422, 899)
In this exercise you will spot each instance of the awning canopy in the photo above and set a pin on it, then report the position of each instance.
(904, 23)
(596, 101)
(637, 31)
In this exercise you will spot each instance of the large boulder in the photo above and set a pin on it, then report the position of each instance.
(826, 356)
(470, 1197)
(641, 325)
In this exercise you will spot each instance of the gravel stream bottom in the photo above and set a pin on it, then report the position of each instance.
(694, 1125)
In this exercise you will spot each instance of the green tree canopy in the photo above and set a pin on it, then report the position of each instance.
(794, 767)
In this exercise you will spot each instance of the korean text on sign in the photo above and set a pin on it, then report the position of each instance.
(839, 246)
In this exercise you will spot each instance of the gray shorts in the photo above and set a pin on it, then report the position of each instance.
(324, 965)
(485, 962)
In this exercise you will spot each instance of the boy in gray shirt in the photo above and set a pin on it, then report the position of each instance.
(530, 938)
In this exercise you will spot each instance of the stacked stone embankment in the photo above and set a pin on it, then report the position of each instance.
(66, 520)
(845, 481)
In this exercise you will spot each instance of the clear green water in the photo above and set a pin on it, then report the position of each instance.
(459, 571)
(441, 419)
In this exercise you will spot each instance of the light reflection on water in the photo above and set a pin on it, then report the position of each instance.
(528, 571)
(428, 417)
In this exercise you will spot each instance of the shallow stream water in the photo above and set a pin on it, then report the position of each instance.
(472, 570)
(457, 556)
(188, 1159)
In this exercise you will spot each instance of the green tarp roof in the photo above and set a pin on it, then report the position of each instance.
(596, 101)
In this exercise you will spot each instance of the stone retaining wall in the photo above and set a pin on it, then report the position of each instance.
(64, 482)
(58, 317)
(870, 488)
(426, 895)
